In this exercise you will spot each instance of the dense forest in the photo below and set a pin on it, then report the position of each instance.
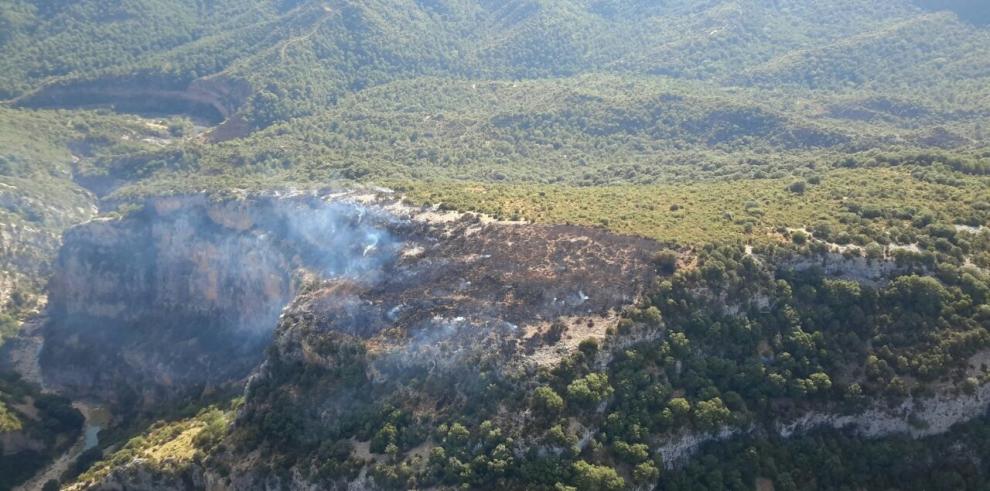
(300, 58)
(817, 172)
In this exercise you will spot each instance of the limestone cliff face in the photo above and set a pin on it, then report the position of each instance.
(185, 293)
(213, 98)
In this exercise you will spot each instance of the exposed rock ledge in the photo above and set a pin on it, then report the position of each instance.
(917, 417)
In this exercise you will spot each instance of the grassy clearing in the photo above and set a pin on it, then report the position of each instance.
(719, 211)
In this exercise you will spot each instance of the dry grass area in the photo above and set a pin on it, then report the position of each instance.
(166, 446)
(8, 421)
(578, 328)
(179, 449)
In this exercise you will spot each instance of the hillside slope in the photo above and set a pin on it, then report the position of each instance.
(496, 244)
(271, 62)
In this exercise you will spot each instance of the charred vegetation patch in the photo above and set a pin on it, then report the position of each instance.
(487, 274)
(183, 294)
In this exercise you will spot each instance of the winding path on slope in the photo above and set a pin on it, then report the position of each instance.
(311, 33)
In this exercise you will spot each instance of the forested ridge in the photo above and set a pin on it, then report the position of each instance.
(300, 57)
(818, 173)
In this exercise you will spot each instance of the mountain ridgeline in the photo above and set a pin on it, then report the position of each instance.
(576, 92)
(270, 61)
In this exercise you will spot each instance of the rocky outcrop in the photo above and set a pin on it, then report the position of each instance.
(141, 474)
(31, 227)
(916, 416)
